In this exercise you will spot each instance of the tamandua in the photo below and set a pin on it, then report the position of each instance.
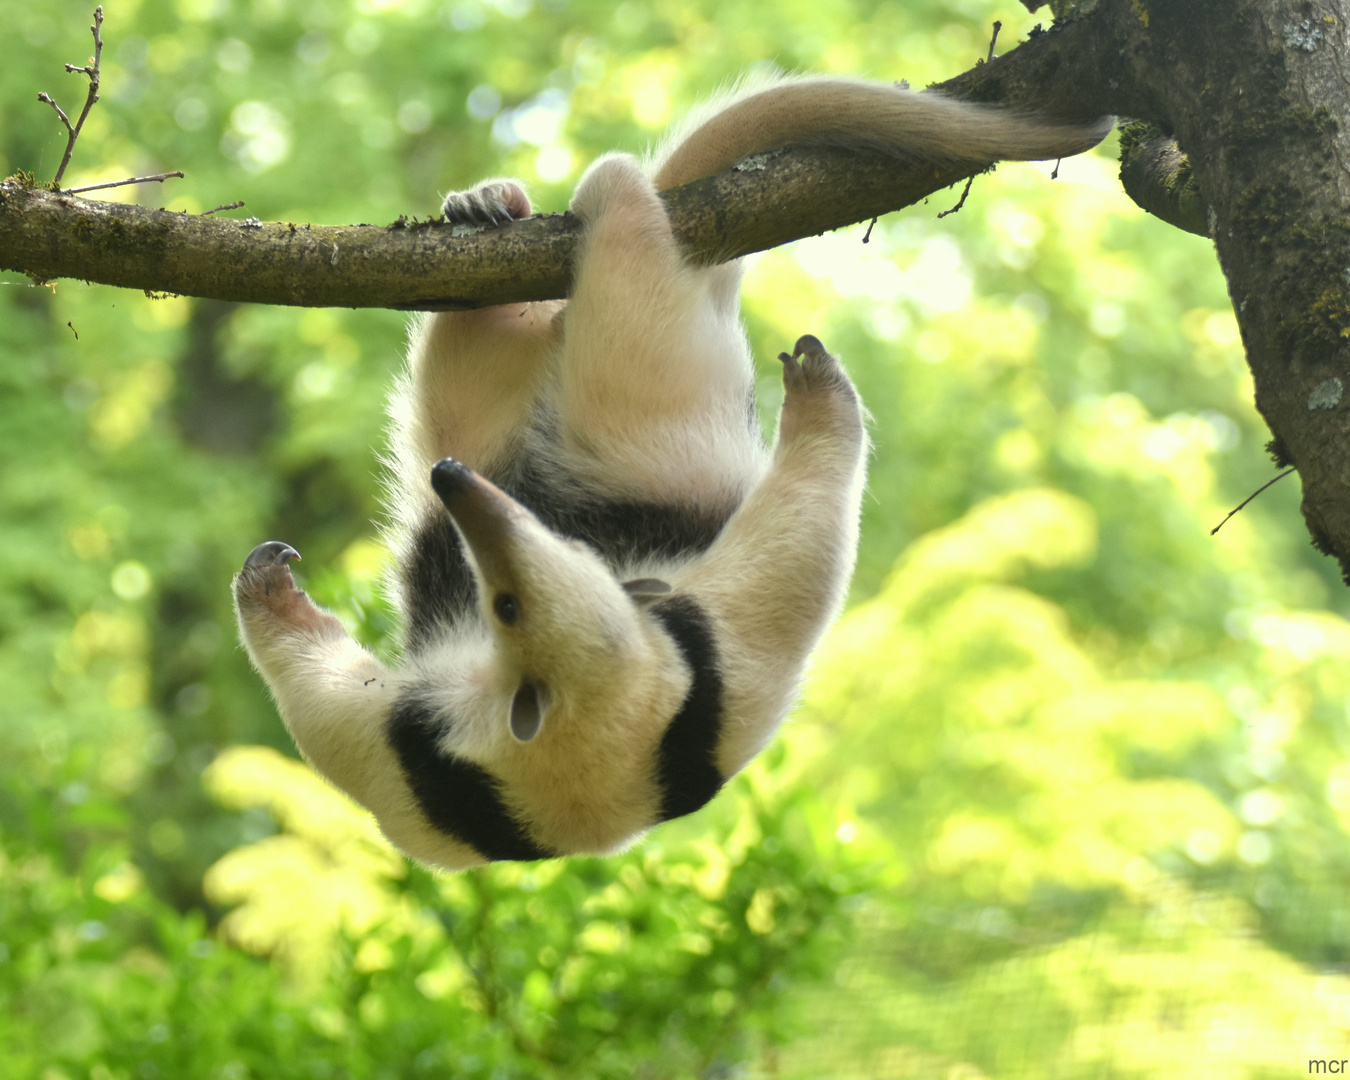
(609, 587)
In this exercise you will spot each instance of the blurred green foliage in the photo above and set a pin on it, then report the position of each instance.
(1070, 790)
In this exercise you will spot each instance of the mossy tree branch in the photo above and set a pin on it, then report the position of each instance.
(1156, 174)
(424, 266)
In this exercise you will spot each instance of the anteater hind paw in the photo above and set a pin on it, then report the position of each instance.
(492, 202)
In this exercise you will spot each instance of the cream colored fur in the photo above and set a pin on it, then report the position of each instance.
(768, 112)
(645, 375)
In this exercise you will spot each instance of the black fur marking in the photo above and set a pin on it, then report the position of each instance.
(439, 587)
(623, 531)
(686, 763)
(458, 796)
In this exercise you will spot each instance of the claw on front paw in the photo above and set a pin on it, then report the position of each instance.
(269, 603)
(809, 345)
(816, 367)
(270, 553)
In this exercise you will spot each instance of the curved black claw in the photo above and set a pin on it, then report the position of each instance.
(811, 367)
(491, 204)
(807, 343)
(270, 553)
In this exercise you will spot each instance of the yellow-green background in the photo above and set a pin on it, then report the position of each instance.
(1069, 791)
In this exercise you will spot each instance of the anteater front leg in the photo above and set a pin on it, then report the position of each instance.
(333, 695)
(778, 573)
(335, 699)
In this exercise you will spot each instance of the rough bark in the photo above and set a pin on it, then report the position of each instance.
(1257, 95)
(773, 200)
(1156, 173)
(425, 266)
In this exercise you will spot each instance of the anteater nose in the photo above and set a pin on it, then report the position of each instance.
(449, 477)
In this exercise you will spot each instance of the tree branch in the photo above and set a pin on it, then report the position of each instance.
(1256, 91)
(768, 201)
(426, 266)
(1156, 174)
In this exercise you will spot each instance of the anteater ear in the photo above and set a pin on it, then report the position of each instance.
(645, 590)
(527, 711)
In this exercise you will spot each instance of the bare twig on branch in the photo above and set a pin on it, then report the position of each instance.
(959, 202)
(73, 130)
(92, 70)
(158, 178)
(1249, 498)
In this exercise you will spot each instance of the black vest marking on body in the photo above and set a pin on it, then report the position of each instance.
(686, 763)
(622, 530)
(439, 586)
(457, 796)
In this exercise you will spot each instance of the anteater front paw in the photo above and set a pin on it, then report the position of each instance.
(266, 574)
(818, 370)
(818, 399)
(268, 601)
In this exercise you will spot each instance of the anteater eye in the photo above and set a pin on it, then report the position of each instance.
(506, 608)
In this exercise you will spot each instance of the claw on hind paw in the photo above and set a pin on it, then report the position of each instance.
(270, 553)
(492, 203)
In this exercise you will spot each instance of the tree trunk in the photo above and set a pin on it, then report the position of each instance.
(1257, 94)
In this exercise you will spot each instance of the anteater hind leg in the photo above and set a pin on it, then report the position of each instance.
(655, 378)
(472, 376)
(470, 386)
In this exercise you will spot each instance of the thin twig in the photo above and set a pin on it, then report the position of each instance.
(43, 96)
(867, 236)
(1249, 498)
(158, 178)
(960, 202)
(224, 206)
(92, 70)
(993, 41)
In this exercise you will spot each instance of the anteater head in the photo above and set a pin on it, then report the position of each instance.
(569, 636)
